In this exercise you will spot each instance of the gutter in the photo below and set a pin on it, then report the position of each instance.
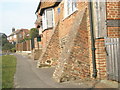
(92, 39)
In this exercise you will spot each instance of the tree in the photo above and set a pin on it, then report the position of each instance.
(3, 38)
(34, 32)
(6, 46)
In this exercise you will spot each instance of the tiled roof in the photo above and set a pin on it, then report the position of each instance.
(17, 31)
(47, 4)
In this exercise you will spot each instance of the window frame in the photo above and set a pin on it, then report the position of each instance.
(44, 19)
(69, 7)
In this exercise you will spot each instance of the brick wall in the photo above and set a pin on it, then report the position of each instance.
(51, 52)
(74, 62)
(113, 13)
(100, 58)
(19, 47)
(113, 10)
(24, 46)
(46, 37)
(28, 45)
(113, 32)
(66, 23)
(74, 40)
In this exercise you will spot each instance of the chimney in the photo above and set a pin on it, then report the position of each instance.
(13, 29)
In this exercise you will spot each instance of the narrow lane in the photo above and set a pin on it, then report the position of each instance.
(28, 76)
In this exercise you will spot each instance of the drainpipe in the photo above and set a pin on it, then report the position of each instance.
(92, 39)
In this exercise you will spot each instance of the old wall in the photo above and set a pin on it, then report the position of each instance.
(50, 53)
(24, 46)
(113, 15)
(113, 31)
(46, 37)
(74, 59)
(50, 43)
(70, 44)
(100, 58)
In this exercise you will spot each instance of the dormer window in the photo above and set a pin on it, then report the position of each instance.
(48, 19)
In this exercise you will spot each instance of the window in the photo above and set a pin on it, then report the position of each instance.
(20, 36)
(48, 19)
(70, 7)
(15, 36)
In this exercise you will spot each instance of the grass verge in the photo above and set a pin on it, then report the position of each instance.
(8, 71)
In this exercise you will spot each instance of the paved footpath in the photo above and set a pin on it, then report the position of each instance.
(28, 76)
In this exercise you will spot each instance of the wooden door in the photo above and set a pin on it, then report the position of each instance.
(113, 58)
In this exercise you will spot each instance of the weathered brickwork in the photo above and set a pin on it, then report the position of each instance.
(69, 45)
(113, 10)
(46, 37)
(24, 46)
(113, 13)
(100, 58)
(28, 45)
(113, 32)
(66, 22)
(73, 62)
(51, 53)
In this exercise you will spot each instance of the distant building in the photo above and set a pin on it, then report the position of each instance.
(17, 35)
(22, 34)
(23, 42)
(1, 35)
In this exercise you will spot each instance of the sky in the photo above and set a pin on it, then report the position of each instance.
(18, 14)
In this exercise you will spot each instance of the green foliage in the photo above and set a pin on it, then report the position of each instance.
(3, 40)
(27, 39)
(34, 32)
(8, 70)
(13, 50)
(24, 40)
(6, 46)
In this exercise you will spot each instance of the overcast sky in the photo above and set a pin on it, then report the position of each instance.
(18, 14)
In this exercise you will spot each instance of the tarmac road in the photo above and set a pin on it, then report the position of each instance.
(28, 76)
